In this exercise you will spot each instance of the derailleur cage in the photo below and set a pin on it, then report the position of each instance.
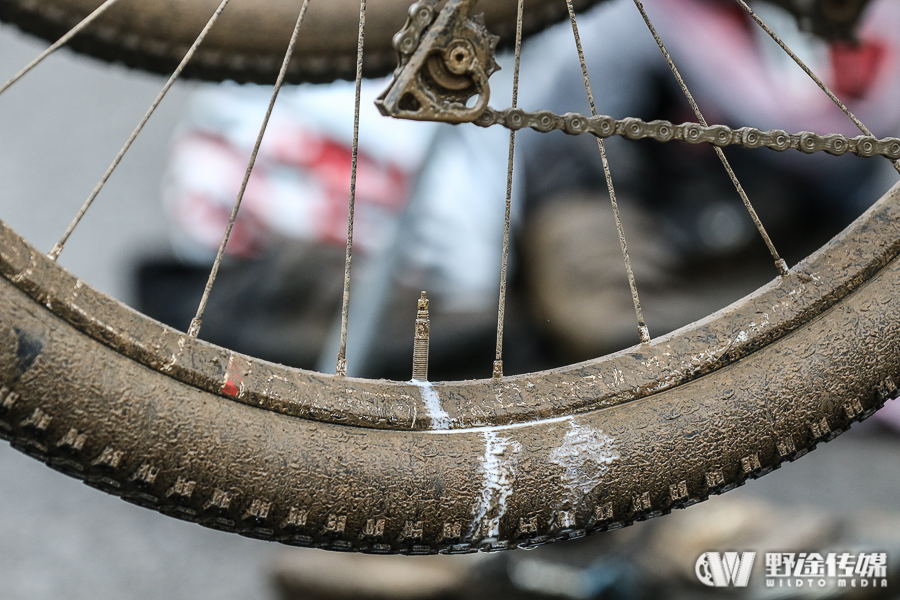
(446, 60)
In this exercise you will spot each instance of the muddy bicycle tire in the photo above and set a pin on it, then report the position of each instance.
(248, 42)
(173, 423)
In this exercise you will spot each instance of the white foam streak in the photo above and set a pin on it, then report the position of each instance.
(497, 485)
(585, 454)
(440, 419)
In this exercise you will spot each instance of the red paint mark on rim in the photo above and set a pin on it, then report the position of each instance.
(234, 383)
(231, 389)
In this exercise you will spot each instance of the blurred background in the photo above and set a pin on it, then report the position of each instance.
(62, 124)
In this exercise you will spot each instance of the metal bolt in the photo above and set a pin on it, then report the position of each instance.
(498, 369)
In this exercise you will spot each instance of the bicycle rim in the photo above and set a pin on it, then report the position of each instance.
(209, 435)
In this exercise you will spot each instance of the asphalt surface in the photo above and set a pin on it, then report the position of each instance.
(59, 128)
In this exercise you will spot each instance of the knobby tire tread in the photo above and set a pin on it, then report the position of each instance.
(236, 51)
(71, 398)
(206, 435)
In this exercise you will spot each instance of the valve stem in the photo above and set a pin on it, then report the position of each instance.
(420, 349)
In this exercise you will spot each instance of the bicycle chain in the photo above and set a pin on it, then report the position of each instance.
(633, 128)
(423, 14)
(419, 18)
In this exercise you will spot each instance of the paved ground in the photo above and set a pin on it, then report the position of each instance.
(59, 128)
(60, 539)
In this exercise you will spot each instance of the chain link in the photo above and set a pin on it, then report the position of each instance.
(419, 18)
(422, 14)
(693, 133)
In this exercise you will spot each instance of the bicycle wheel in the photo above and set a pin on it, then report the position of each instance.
(248, 43)
(170, 422)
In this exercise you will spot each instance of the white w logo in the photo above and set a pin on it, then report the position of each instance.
(720, 570)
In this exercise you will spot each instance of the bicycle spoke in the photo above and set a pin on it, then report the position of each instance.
(58, 44)
(341, 368)
(198, 319)
(780, 264)
(642, 326)
(859, 124)
(504, 264)
(58, 248)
